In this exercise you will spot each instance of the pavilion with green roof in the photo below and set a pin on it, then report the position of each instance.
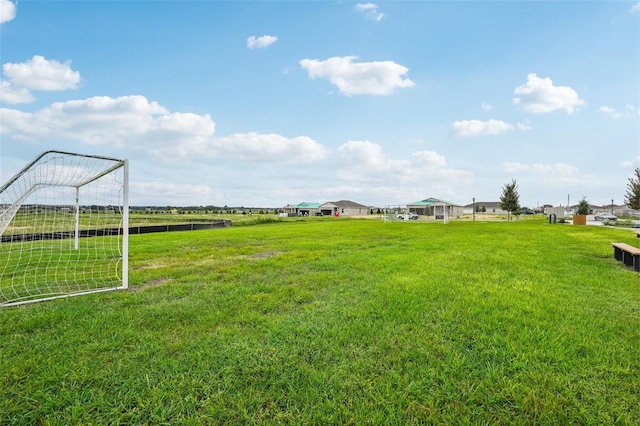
(303, 209)
(435, 208)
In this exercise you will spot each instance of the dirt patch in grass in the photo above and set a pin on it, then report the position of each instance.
(152, 266)
(152, 283)
(265, 255)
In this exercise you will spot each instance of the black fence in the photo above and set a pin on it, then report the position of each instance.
(87, 233)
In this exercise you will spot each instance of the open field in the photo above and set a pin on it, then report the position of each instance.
(340, 321)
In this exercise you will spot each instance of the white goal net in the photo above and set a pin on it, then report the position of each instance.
(63, 228)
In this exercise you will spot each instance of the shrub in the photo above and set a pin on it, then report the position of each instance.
(620, 223)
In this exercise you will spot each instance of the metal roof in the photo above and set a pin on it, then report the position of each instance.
(430, 202)
(488, 204)
(346, 204)
(306, 205)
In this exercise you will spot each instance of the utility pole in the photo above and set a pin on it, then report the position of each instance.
(474, 209)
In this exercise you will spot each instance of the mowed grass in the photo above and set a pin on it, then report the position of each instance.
(340, 322)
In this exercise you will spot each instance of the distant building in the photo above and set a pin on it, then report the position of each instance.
(343, 208)
(625, 210)
(593, 209)
(302, 209)
(488, 207)
(329, 208)
(435, 208)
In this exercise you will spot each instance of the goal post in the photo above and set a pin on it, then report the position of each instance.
(64, 225)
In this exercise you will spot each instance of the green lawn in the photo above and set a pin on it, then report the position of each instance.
(340, 322)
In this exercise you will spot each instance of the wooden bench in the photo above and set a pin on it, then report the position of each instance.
(627, 254)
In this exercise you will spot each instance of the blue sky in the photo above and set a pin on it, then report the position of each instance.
(275, 102)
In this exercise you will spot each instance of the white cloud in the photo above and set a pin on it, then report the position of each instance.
(10, 94)
(552, 175)
(636, 7)
(632, 109)
(466, 128)
(136, 123)
(614, 113)
(254, 42)
(37, 73)
(524, 126)
(364, 78)
(163, 191)
(629, 164)
(16, 123)
(560, 169)
(42, 74)
(539, 95)
(370, 10)
(366, 153)
(485, 106)
(364, 162)
(99, 120)
(270, 148)
(7, 11)
(369, 154)
(428, 158)
(609, 111)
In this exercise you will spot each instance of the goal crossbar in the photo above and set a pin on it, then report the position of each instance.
(119, 163)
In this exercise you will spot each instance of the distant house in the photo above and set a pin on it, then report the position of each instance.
(593, 209)
(343, 208)
(436, 208)
(620, 210)
(625, 210)
(302, 209)
(488, 207)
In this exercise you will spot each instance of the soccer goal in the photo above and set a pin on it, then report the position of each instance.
(64, 225)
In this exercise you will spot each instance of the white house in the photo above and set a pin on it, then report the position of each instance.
(487, 207)
(343, 208)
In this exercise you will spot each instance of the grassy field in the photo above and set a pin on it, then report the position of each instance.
(340, 322)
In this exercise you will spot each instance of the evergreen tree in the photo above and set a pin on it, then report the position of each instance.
(510, 200)
(583, 207)
(632, 197)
